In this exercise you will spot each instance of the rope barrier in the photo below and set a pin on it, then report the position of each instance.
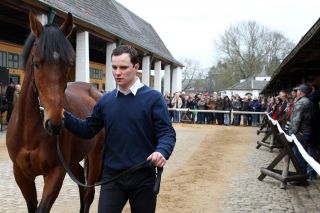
(312, 162)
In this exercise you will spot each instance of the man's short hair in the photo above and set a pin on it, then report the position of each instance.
(134, 56)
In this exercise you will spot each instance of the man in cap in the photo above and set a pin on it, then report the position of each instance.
(301, 122)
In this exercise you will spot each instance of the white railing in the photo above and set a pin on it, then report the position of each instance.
(216, 111)
(314, 164)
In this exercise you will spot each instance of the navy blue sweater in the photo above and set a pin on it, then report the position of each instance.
(135, 127)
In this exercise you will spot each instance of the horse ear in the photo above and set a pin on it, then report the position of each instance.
(67, 26)
(35, 25)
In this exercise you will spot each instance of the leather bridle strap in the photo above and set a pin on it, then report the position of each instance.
(133, 169)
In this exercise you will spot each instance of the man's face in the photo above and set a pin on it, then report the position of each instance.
(294, 94)
(124, 72)
(299, 93)
(282, 95)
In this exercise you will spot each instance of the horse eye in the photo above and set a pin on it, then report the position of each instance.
(36, 65)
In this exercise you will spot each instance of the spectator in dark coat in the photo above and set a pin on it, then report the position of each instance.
(9, 97)
(236, 106)
(227, 107)
(256, 107)
(219, 106)
(301, 126)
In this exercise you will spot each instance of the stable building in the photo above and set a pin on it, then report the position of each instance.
(301, 65)
(99, 27)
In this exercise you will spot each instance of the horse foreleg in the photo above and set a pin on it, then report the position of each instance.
(27, 187)
(78, 172)
(52, 185)
(86, 194)
(94, 169)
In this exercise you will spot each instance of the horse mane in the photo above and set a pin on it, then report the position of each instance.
(51, 40)
(27, 47)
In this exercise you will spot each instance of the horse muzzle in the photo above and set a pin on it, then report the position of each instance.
(54, 129)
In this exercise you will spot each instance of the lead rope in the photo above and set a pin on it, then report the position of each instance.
(135, 168)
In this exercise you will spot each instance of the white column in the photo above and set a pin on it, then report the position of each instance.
(167, 78)
(176, 80)
(110, 82)
(82, 57)
(43, 18)
(146, 70)
(179, 79)
(157, 76)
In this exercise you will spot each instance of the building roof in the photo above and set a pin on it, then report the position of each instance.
(114, 18)
(301, 64)
(249, 84)
(263, 73)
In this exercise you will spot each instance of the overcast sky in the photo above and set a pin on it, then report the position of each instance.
(189, 27)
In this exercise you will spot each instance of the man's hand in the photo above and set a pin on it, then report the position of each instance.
(157, 159)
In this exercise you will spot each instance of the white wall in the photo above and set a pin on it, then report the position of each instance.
(266, 78)
(242, 93)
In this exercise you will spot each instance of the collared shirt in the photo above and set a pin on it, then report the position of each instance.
(133, 89)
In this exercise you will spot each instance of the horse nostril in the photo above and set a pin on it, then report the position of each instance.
(47, 124)
(53, 129)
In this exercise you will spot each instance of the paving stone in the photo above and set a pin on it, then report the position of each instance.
(248, 193)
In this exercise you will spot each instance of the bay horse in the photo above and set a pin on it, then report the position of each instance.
(30, 138)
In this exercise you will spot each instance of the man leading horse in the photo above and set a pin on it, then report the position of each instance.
(138, 128)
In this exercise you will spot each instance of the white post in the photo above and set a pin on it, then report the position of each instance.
(146, 70)
(82, 57)
(176, 80)
(110, 82)
(157, 76)
(167, 73)
(43, 18)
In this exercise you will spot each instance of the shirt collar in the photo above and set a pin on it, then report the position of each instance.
(133, 89)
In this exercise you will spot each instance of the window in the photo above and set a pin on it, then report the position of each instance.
(13, 60)
(96, 73)
(15, 79)
(3, 59)
(21, 65)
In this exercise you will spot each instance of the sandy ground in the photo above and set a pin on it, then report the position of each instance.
(197, 175)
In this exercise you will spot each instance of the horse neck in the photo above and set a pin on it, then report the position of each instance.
(28, 104)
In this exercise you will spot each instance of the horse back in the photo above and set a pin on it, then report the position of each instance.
(80, 98)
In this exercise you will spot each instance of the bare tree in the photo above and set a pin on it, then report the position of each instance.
(189, 72)
(247, 48)
(220, 77)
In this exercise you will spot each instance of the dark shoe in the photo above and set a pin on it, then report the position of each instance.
(298, 183)
(312, 177)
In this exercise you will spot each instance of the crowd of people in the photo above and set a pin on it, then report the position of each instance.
(199, 101)
(297, 112)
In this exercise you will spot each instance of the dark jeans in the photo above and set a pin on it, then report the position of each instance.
(136, 187)
(236, 119)
(9, 111)
(249, 119)
(302, 162)
(201, 118)
(220, 118)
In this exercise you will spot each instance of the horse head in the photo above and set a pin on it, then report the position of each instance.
(52, 57)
